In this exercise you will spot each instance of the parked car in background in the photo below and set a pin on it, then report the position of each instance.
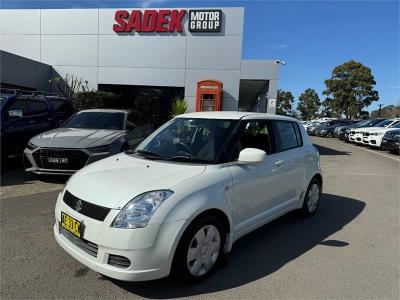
(327, 130)
(312, 129)
(391, 141)
(188, 192)
(373, 137)
(26, 114)
(367, 123)
(88, 136)
(339, 130)
(356, 135)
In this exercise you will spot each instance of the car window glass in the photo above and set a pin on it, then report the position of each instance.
(60, 105)
(298, 134)
(19, 105)
(252, 134)
(201, 139)
(37, 107)
(287, 135)
(97, 120)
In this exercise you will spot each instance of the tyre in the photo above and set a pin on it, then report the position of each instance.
(199, 250)
(312, 198)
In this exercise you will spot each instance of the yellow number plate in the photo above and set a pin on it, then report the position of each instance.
(70, 224)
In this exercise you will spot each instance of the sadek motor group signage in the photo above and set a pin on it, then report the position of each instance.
(166, 20)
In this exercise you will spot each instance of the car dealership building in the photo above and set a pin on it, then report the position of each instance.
(148, 56)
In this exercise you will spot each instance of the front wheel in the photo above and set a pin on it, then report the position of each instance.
(199, 250)
(311, 199)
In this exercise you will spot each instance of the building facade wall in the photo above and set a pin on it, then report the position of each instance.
(82, 42)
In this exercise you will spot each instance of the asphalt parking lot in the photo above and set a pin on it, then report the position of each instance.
(349, 249)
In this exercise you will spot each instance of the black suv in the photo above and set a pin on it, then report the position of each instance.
(26, 114)
(391, 141)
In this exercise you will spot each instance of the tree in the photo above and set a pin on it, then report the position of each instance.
(284, 102)
(350, 89)
(309, 104)
(69, 86)
(389, 112)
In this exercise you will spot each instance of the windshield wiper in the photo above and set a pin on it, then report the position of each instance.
(188, 158)
(147, 153)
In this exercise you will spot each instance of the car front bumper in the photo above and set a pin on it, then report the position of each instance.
(32, 165)
(149, 250)
(391, 145)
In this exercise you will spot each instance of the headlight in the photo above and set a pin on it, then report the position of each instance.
(101, 149)
(378, 133)
(138, 211)
(31, 146)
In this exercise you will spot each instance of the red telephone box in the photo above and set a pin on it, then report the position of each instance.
(209, 95)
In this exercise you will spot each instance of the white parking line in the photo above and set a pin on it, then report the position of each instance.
(375, 152)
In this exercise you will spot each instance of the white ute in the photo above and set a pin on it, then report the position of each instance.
(186, 194)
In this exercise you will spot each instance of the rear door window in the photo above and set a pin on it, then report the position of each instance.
(60, 105)
(19, 105)
(289, 135)
(37, 107)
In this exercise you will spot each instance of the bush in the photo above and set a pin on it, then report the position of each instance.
(96, 99)
(178, 107)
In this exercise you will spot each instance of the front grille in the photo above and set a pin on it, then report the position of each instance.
(86, 208)
(76, 158)
(88, 247)
(118, 261)
(365, 133)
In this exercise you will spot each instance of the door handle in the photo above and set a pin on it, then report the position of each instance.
(279, 162)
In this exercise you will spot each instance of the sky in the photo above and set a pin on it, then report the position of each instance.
(312, 37)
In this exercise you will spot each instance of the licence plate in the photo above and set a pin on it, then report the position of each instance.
(70, 224)
(58, 160)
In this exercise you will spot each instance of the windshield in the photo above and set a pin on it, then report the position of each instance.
(362, 123)
(196, 140)
(97, 120)
(396, 126)
(383, 123)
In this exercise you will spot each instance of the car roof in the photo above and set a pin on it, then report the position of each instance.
(106, 110)
(234, 115)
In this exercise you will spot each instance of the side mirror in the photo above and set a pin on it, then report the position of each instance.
(252, 155)
(15, 113)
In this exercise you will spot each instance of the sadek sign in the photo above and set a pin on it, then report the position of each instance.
(166, 20)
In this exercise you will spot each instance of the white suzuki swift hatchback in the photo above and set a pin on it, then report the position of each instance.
(186, 194)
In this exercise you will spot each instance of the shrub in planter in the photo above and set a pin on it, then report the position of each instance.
(95, 99)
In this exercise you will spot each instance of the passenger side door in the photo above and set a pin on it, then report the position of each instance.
(39, 116)
(293, 161)
(256, 187)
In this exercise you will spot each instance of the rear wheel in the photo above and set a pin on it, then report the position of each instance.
(312, 198)
(199, 250)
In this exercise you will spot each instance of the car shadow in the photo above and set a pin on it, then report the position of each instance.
(13, 173)
(263, 251)
(329, 151)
